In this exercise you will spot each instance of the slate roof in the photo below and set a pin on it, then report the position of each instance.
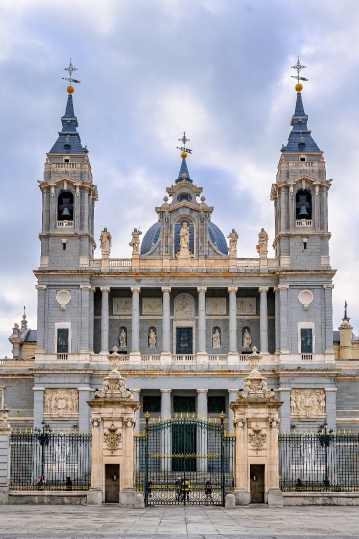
(69, 139)
(31, 336)
(300, 139)
(336, 336)
(183, 170)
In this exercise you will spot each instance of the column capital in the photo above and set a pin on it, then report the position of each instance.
(85, 286)
(202, 390)
(136, 289)
(93, 289)
(263, 289)
(40, 286)
(165, 390)
(232, 288)
(105, 289)
(276, 289)
(233, 390)
(283, 286)
(201, 289)
(135, 390)
(166, 289)
(328, 286)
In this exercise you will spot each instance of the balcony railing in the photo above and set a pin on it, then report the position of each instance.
(307, 357)
(184, 357)
(151, 358)
(304, 222)
(217, 357)
(62, 357)
(67, 224)
(120, 262)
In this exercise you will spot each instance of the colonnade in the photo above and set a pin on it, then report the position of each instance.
(166, 320)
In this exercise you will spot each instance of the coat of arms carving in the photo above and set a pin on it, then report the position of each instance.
(61, 401)
(112, 438)
(257, 438)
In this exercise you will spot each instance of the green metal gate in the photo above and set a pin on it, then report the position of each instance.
(185, 461)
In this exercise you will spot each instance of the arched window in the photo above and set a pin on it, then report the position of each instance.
(303, 205)
(65, 206)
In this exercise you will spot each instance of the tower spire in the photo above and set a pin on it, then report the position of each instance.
(183, 172)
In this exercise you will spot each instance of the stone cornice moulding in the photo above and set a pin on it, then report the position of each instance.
(40, 286)
(328, 286)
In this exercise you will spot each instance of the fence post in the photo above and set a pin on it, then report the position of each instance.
(5, 431)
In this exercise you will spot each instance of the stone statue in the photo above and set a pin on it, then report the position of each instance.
(247, 339)
(262, 247)
(233, 238)
(152, 339)
(122, 338)
(184, 239)
(135, 242)
(216, 339)
(105, 242)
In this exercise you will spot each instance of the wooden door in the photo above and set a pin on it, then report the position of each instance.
(112, 483)
(257, 483)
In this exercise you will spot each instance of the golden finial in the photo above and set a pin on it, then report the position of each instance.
(222, 415)
(298, 66)
(184, 151)
(147, 415)
(70, 89)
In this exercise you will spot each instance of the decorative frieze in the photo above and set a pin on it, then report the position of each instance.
(122, 306)
(216, 306)
(246, 306)
(61, 401)
(152, 306)
(307, 402)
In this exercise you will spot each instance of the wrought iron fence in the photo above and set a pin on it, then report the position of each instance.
(184, 461)
(44, 460)
(324, 461)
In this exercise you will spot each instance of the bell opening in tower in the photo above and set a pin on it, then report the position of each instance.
(303, 206)
(65, 206)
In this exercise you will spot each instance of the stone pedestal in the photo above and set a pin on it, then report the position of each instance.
(113, 420)
(256, 429)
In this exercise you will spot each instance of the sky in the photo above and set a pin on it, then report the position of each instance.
(149, 70)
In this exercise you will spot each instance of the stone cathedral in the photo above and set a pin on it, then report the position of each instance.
(182, 315)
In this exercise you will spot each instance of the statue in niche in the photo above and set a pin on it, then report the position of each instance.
(246, 339)
(233, 238)
(123, 338)
(152, 338)
(216, 339)
(262, 247)
(184, 238)
(105, 242)
(135, 241)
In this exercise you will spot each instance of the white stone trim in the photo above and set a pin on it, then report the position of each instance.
(2, 388)
(306, 325)
(62, 325)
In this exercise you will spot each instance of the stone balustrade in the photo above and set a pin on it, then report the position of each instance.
(169, 264)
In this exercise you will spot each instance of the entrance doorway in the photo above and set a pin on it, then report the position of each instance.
(257, 483)
(184, 340)
(112, 483)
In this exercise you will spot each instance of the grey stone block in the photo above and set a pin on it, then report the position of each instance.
(139, 501)
(94, 496)
(230, 502)
(242, 497)
(275, 498)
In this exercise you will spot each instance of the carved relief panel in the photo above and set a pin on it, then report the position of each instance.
(246, 306)
(61, 401)
(307, 402)
(184, 306)
(216, 306)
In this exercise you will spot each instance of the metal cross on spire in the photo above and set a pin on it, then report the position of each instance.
(70, 70)
(298, 66)
(183, 148)
(345, 310)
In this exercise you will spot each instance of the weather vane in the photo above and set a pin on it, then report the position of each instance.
(184, 150)
(298, 67)
(70, 89)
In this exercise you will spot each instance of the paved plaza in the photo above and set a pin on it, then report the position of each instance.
(173, 522)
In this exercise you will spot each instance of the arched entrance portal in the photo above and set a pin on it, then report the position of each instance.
(184, 461)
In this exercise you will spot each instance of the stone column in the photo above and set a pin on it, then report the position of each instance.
(136, 397)
(104, 320)
(135, 347)
(233, 356)
(202, 413)
(5, 431)
(276, 321)
(263, 322)
(328, 321)
(331, 407)
(41, 321)
(85, 319)
(232, 395)
(284, 411)
(38, 406)
(166, 439)
(202, 356)
(166, 356)
(283, 316)
(84, 422)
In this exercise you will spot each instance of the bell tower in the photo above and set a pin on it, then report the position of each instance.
(68, 197)
(300, 197)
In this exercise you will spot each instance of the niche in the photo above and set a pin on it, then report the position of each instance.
(216, 337)
(303, 206)
(65, 206)
(246, 338)
(122, 337)
(152, 337)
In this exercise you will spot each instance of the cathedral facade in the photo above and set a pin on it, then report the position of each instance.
(184, 312)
